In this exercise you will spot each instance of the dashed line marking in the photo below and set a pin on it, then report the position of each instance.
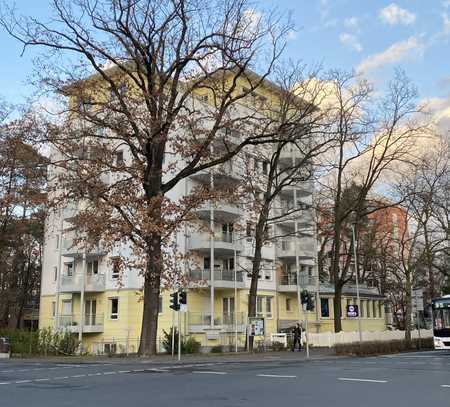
(124, 371)
(22, 381)
(442, 385)
(60, 378)
(41, 380)
(5, 383)
(276, 375)
(107, 373)
(79, 375)
(139, 370)
(350, 379)
(206, 372)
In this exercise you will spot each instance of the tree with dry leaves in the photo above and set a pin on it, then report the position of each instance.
(154, 96)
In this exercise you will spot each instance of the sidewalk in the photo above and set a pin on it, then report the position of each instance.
(316, 353)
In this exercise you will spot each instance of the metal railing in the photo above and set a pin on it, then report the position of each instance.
(225, 319)
(74, 320)
(92, 282)
(219, 275)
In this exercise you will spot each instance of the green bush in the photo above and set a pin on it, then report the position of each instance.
(278, 346)
(382, 347)
(189, 345)
(42, 342)
(217, 349)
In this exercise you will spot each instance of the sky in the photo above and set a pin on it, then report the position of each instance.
(372, 37)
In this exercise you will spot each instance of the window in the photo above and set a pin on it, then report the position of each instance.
(69, 269)
(206, 263)
(310, 271)
(53, 308)
(325, 307)
(264, 306)
(110, 348)
(57, 241)
(114, 308)
(380, 309)
(204, 98)
(368, 308)
(361, 311)
(265, 167)
(248, 229)
(115, 269)
(55, 273)
(268, 273)
(374, 306)
(160, 305)
(119, 158)
(92, 267)
(288, 305)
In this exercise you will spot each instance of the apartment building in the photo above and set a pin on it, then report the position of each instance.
(86, 292)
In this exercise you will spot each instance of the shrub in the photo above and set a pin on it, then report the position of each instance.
(217, 349)
(278, 346)
(167, 340)
(382, 347)
(191, 346)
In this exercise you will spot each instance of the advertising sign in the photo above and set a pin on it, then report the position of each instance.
(352, 311)
(256, 326)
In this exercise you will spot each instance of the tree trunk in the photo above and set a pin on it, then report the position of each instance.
(337, 312)
(259, 241)
(407, 317)
(152, 282)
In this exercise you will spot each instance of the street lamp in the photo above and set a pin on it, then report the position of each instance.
(358, 300)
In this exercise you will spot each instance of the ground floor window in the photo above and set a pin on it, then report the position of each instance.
(264, 306)
(114, 307)
(288, 304)
(325, 307)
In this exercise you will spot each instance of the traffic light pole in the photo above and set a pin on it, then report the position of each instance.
(179, 336)
(173, 333)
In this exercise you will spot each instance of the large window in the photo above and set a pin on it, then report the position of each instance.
(114, 307)
(325, 307)
(69, 269)
(92, 267)
(264, 306)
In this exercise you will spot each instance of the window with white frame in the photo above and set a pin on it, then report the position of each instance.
(115, 269)
(264, 306)
(92, 267)
(69, 269)
(114, 308)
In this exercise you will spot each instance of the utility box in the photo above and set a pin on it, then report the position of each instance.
(5, 348)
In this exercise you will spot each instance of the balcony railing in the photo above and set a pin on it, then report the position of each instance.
(74, 282)
(219, 275)
(91, 322)
(73, 249)
(225, 319)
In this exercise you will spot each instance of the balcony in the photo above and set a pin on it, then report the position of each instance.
(224, 174)
(224, 243)
(288, 216)
(199, 322)
(74, 283)
(287, 282)
(92, 323)
(222, 278)
(70, 211)
(290, 249)
(222, 211)
(72, 249)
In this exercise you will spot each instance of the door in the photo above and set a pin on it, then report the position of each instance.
(90, 311)
(228, 310)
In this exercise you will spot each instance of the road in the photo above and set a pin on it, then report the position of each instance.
(413, 379)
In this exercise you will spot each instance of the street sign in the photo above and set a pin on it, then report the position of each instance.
(352, 311)
(417, 300)
(256, 326)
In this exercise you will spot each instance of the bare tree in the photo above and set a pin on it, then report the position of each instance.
(372, 135)
(161, 82)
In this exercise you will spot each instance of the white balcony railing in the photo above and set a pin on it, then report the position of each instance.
(91, 323)
(74, 282)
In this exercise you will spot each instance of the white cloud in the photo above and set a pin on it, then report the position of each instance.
(352, 23)
(292, 35)
(393, 54)
(394, 15)
(446, 23)
(351, 41)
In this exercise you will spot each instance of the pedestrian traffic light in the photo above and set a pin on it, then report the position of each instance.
(174, 301)
(182, 299)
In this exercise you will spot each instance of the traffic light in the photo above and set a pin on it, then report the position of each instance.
(174, 301)
(182, 299)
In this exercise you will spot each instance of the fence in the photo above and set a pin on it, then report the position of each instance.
(330, 339)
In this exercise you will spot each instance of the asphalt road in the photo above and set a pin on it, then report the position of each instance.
(413, 379)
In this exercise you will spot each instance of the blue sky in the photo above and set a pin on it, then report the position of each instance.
(371, 36)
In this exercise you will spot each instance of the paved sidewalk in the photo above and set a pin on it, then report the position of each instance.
(316, 353)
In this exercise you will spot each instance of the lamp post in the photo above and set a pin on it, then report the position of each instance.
(357, 280)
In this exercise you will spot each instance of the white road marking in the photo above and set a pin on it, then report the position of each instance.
(109, 373)
(350, 379)
(206, 372)
(442, 385)
(60, 378)
(41, 380)
(139, 370)
(79, 375)
(275, 375)
(156, 370)
(22, 381)
(124, 371)
(5, 383)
